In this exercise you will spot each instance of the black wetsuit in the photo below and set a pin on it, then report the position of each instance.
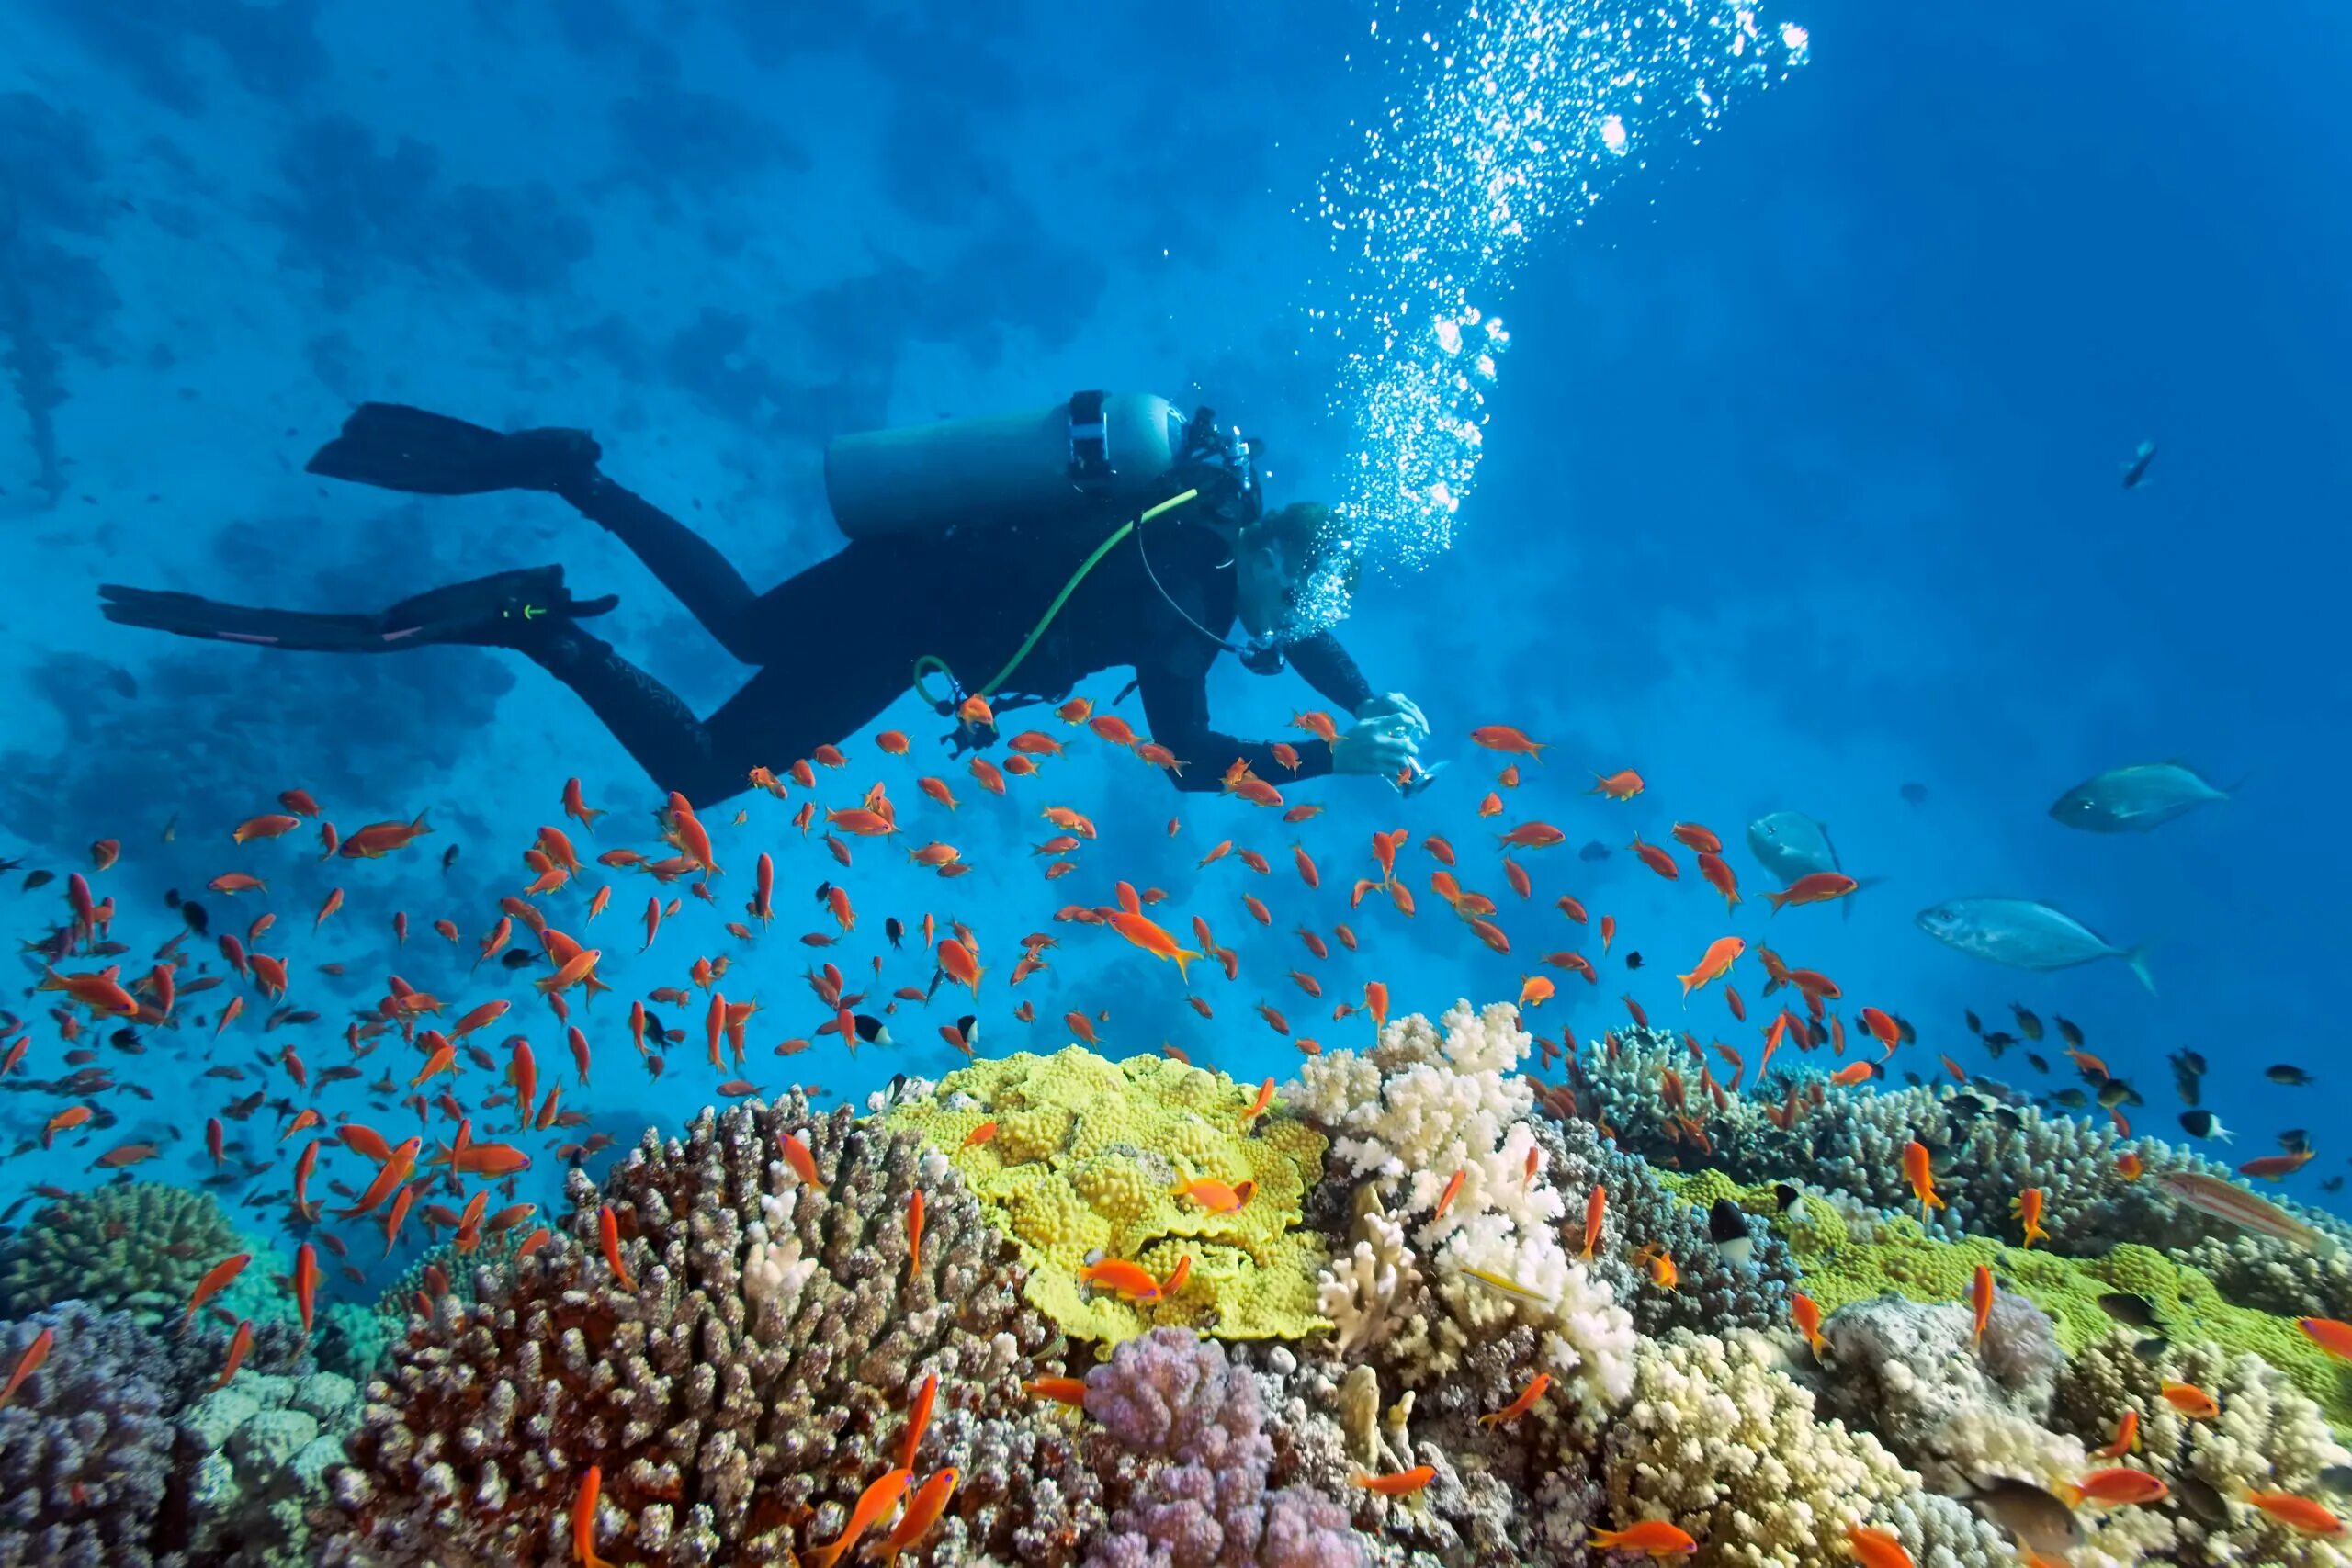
(837, 644)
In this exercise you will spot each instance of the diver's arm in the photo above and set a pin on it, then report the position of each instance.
(1176, 711)
(1327, 669)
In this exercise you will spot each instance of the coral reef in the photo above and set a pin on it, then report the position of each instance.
(137, 1247)
(1720, 1441)
(1438, 1116)
(746, 1381)
(87, 1444)
(256, 1453)
(1086, 1162)
(1182, 1446)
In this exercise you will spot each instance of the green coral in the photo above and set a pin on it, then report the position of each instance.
(1085, 1163)
(137, 1247)
(1842, 1264)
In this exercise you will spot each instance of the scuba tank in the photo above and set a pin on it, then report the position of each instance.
(1070, 462)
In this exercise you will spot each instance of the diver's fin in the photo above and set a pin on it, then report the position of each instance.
(393, 446)
(499, 611)
(186, 615)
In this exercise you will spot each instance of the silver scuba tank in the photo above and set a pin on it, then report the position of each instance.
(1094, 454)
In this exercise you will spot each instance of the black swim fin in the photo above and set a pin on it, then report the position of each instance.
(393, 446)
(507, 609)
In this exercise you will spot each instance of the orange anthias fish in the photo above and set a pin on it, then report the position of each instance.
(1130, 1281)
(1595, 1209)
(1216, 1196)
(216, 1280)
(1814, 887)
(379, 838)
(2121, 1486)
(1149, 935)
(2026, 1207)
(1807, 1313)
(1979, 1292)
(1920, 1173)
(1655, 1537)
(923, 1511)
(27, 1364)
(2299, 1512)
(1876, 1549)
(583, 1519)
(874, 1505)
(2127, 1437)
(2329, 1334)
(1520, 1406)
(2190, 1400)
(1622, 784)
(1656, 859)
(1716, 962)
(1402, 1484)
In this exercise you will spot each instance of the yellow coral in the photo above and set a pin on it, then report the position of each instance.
(1086, 1162)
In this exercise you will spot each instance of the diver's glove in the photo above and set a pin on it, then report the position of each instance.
(1380, 746)
(1395, 704)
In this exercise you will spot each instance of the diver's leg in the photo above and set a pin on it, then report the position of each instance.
(688, 565)
(779, 717)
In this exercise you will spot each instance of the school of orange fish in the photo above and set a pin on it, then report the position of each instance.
(445, 1175)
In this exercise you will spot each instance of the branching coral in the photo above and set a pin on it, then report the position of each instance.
(747, 1383)
(137, 1247)
(1438, 1107)
(1721, 1442)
(85, 1446)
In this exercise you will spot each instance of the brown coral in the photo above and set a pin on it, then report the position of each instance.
(740, 1396)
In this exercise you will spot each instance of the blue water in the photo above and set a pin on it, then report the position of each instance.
(1800, 484)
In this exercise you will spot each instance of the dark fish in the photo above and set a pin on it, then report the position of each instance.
(2333, 1184)
(2289, 1073)
(871, 1030)
(1964, 1105)
(2193, 1061)
(2136, 467)
(38, 879)
(824, 891)
(1728, 1228)
(2037, 1064)
(968, 1027)
(2198, 1497)
(2071, 1034)
(2115, 1092)
(1975, 1025)
(2027, 1024)
(1788, 1197)
(1917, 793)
(894, 931)
(2133, 1312)
(2203, 1124)
(2150, 1348)
(2033, 1517)
(1633, 959)
(2072, 1098)
(448, 859)
(2009, 1119)
(192, 913)
(1913, 1079)
(1595, 850)
(1905, 1032)
(2296, 1141)
(2337, 1478)
(517, 958)
(171, 898)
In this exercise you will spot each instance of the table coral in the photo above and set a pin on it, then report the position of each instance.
(748, 1387)
(1086, 1161)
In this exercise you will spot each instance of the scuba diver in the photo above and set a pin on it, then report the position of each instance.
(976, 553)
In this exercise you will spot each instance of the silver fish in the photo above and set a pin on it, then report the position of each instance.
(2137, 799)
(1788, 844)
(2025, 935)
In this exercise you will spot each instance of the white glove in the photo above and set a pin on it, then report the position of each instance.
(1380, 746)
(1395, 704)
